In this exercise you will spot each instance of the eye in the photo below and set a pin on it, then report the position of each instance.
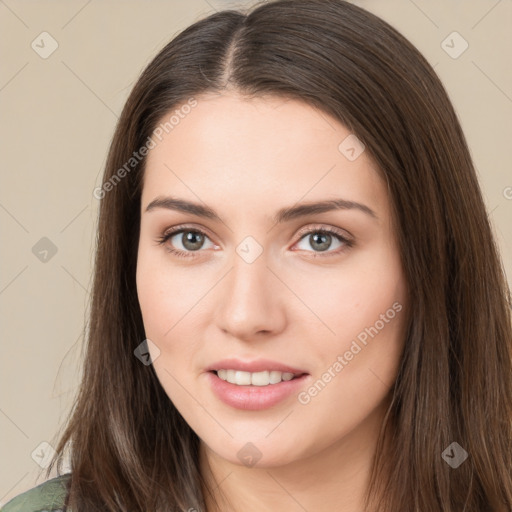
(190, 239)
(321, 239)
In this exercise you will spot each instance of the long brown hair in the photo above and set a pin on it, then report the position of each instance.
(130, 448)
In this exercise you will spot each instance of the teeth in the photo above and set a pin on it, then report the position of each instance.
(255, 379)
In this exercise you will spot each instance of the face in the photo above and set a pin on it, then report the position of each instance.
(235, 263)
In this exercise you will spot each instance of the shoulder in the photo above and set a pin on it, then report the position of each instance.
(46, 497)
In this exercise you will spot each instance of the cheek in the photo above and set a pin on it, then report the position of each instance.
(359, 363)
(155, 294)
(166, 297)
(361, 305)
(168, 300)
(352, 296)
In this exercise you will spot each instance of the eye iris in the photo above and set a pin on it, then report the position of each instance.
(192, 240)
(323, 239)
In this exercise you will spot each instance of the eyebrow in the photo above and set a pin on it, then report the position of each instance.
(283, 215)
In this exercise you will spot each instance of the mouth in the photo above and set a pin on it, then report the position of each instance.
(261, 378)
(255, 391)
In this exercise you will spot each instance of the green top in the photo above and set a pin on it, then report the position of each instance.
(49, 496)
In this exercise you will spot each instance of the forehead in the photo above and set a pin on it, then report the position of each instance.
(234, 127)
(265, 149)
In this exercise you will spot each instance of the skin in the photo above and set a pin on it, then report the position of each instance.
(247, 158)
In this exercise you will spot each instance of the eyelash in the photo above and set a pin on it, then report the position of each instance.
(183, 254)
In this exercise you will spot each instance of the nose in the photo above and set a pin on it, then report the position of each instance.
(252, 300)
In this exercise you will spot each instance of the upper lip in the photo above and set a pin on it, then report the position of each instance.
(257, 365)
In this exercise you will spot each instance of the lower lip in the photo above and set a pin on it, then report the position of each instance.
(254, 398)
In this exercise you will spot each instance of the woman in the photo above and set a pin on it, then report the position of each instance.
(298, 301)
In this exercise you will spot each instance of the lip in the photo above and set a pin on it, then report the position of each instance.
(254, 398)
(257, 365)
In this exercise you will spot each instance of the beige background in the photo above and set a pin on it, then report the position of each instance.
(58, 115)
